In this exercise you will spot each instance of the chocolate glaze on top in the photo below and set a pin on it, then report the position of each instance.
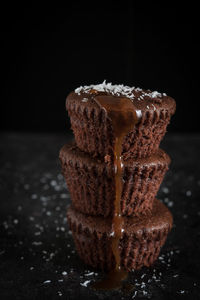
(123, 117)
(145, 104)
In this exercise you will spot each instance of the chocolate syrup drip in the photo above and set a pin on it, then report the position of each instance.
(123, 117)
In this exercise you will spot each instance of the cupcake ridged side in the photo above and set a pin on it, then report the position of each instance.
(139, 246)
(92, 186)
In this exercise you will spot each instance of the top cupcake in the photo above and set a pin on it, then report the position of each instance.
(93, 128)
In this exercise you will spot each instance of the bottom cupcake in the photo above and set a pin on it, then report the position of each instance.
(139, 246)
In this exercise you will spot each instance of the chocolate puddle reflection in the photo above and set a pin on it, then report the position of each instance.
(123, 118)
(113, 280)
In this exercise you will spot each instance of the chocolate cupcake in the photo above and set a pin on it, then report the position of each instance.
(93, 128)
(91, 182)
(139, 245)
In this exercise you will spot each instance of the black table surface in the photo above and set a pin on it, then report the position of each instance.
(37, 255)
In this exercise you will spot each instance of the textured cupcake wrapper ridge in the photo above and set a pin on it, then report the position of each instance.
(92, 186)
(136, 250)
(93, 131)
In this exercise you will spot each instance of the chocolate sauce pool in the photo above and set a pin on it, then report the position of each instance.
(123, 116)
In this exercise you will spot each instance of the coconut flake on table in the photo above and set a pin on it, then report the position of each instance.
(19, 208)
(85, 284)
(47, 281)
(181, 291)
(165, 190)
(118, 90)
(135, 294)
(188, 193)
(89, 274)
(64, 273)
(36, 243)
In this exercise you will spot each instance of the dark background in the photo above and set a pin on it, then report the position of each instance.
(49, 50)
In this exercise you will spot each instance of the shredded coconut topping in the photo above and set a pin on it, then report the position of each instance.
(119, 90)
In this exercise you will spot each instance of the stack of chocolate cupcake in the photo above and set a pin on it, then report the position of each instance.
(90, 168)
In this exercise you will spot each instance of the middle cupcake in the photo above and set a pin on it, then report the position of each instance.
(92, 186)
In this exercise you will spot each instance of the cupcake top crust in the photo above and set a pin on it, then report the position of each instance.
(142, 99)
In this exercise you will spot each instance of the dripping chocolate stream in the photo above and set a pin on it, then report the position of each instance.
(123, 117)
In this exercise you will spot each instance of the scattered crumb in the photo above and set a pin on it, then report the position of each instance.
(37, 243)
(170, 203)
(37, 233)
(64, 273)
(89, 274)
(134, 295)
(53, 183)
(26, 186)
(188, 193)
(64, 196)
(145, 293)
(181, 292)
(165, 190)
(85, 284)
(46, 187)
(47, 281)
